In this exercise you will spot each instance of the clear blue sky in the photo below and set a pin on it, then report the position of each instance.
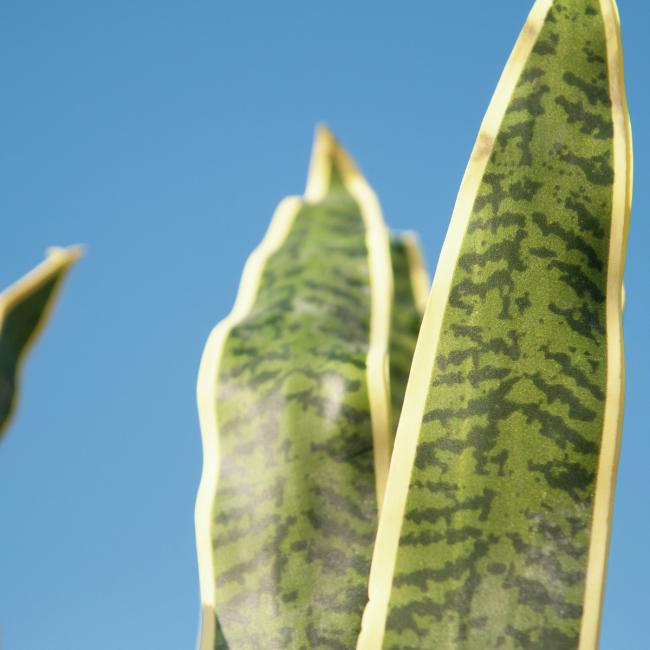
(162, 135)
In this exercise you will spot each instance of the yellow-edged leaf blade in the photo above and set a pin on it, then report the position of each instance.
(496, 519)
(24, 309)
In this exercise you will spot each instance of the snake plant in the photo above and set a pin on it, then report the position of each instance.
(360, 489)
(24, 308)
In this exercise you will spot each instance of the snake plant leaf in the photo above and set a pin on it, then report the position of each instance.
(495, 523)
(411, 290)
(295, 416)
(24, 308)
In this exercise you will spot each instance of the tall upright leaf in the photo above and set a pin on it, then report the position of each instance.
(295, 419)
(24, 308)
(495, 525)
(411, 290)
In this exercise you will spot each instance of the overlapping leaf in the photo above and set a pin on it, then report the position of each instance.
(495, 523)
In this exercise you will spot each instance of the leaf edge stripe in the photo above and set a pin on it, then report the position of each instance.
(615, 383)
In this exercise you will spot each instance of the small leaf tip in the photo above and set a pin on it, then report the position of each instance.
(69, 254)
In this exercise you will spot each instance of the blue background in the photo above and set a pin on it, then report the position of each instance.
(162, 135)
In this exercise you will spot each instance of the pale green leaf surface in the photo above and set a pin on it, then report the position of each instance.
(410, 287)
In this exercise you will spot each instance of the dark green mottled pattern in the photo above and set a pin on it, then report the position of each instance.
(494, 546)
(405, 325)
(18, 326)
(295, 510)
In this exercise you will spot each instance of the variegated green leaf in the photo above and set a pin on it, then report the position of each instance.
(495, 523)
(24, 308)
(295, 418)
(411, 290)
